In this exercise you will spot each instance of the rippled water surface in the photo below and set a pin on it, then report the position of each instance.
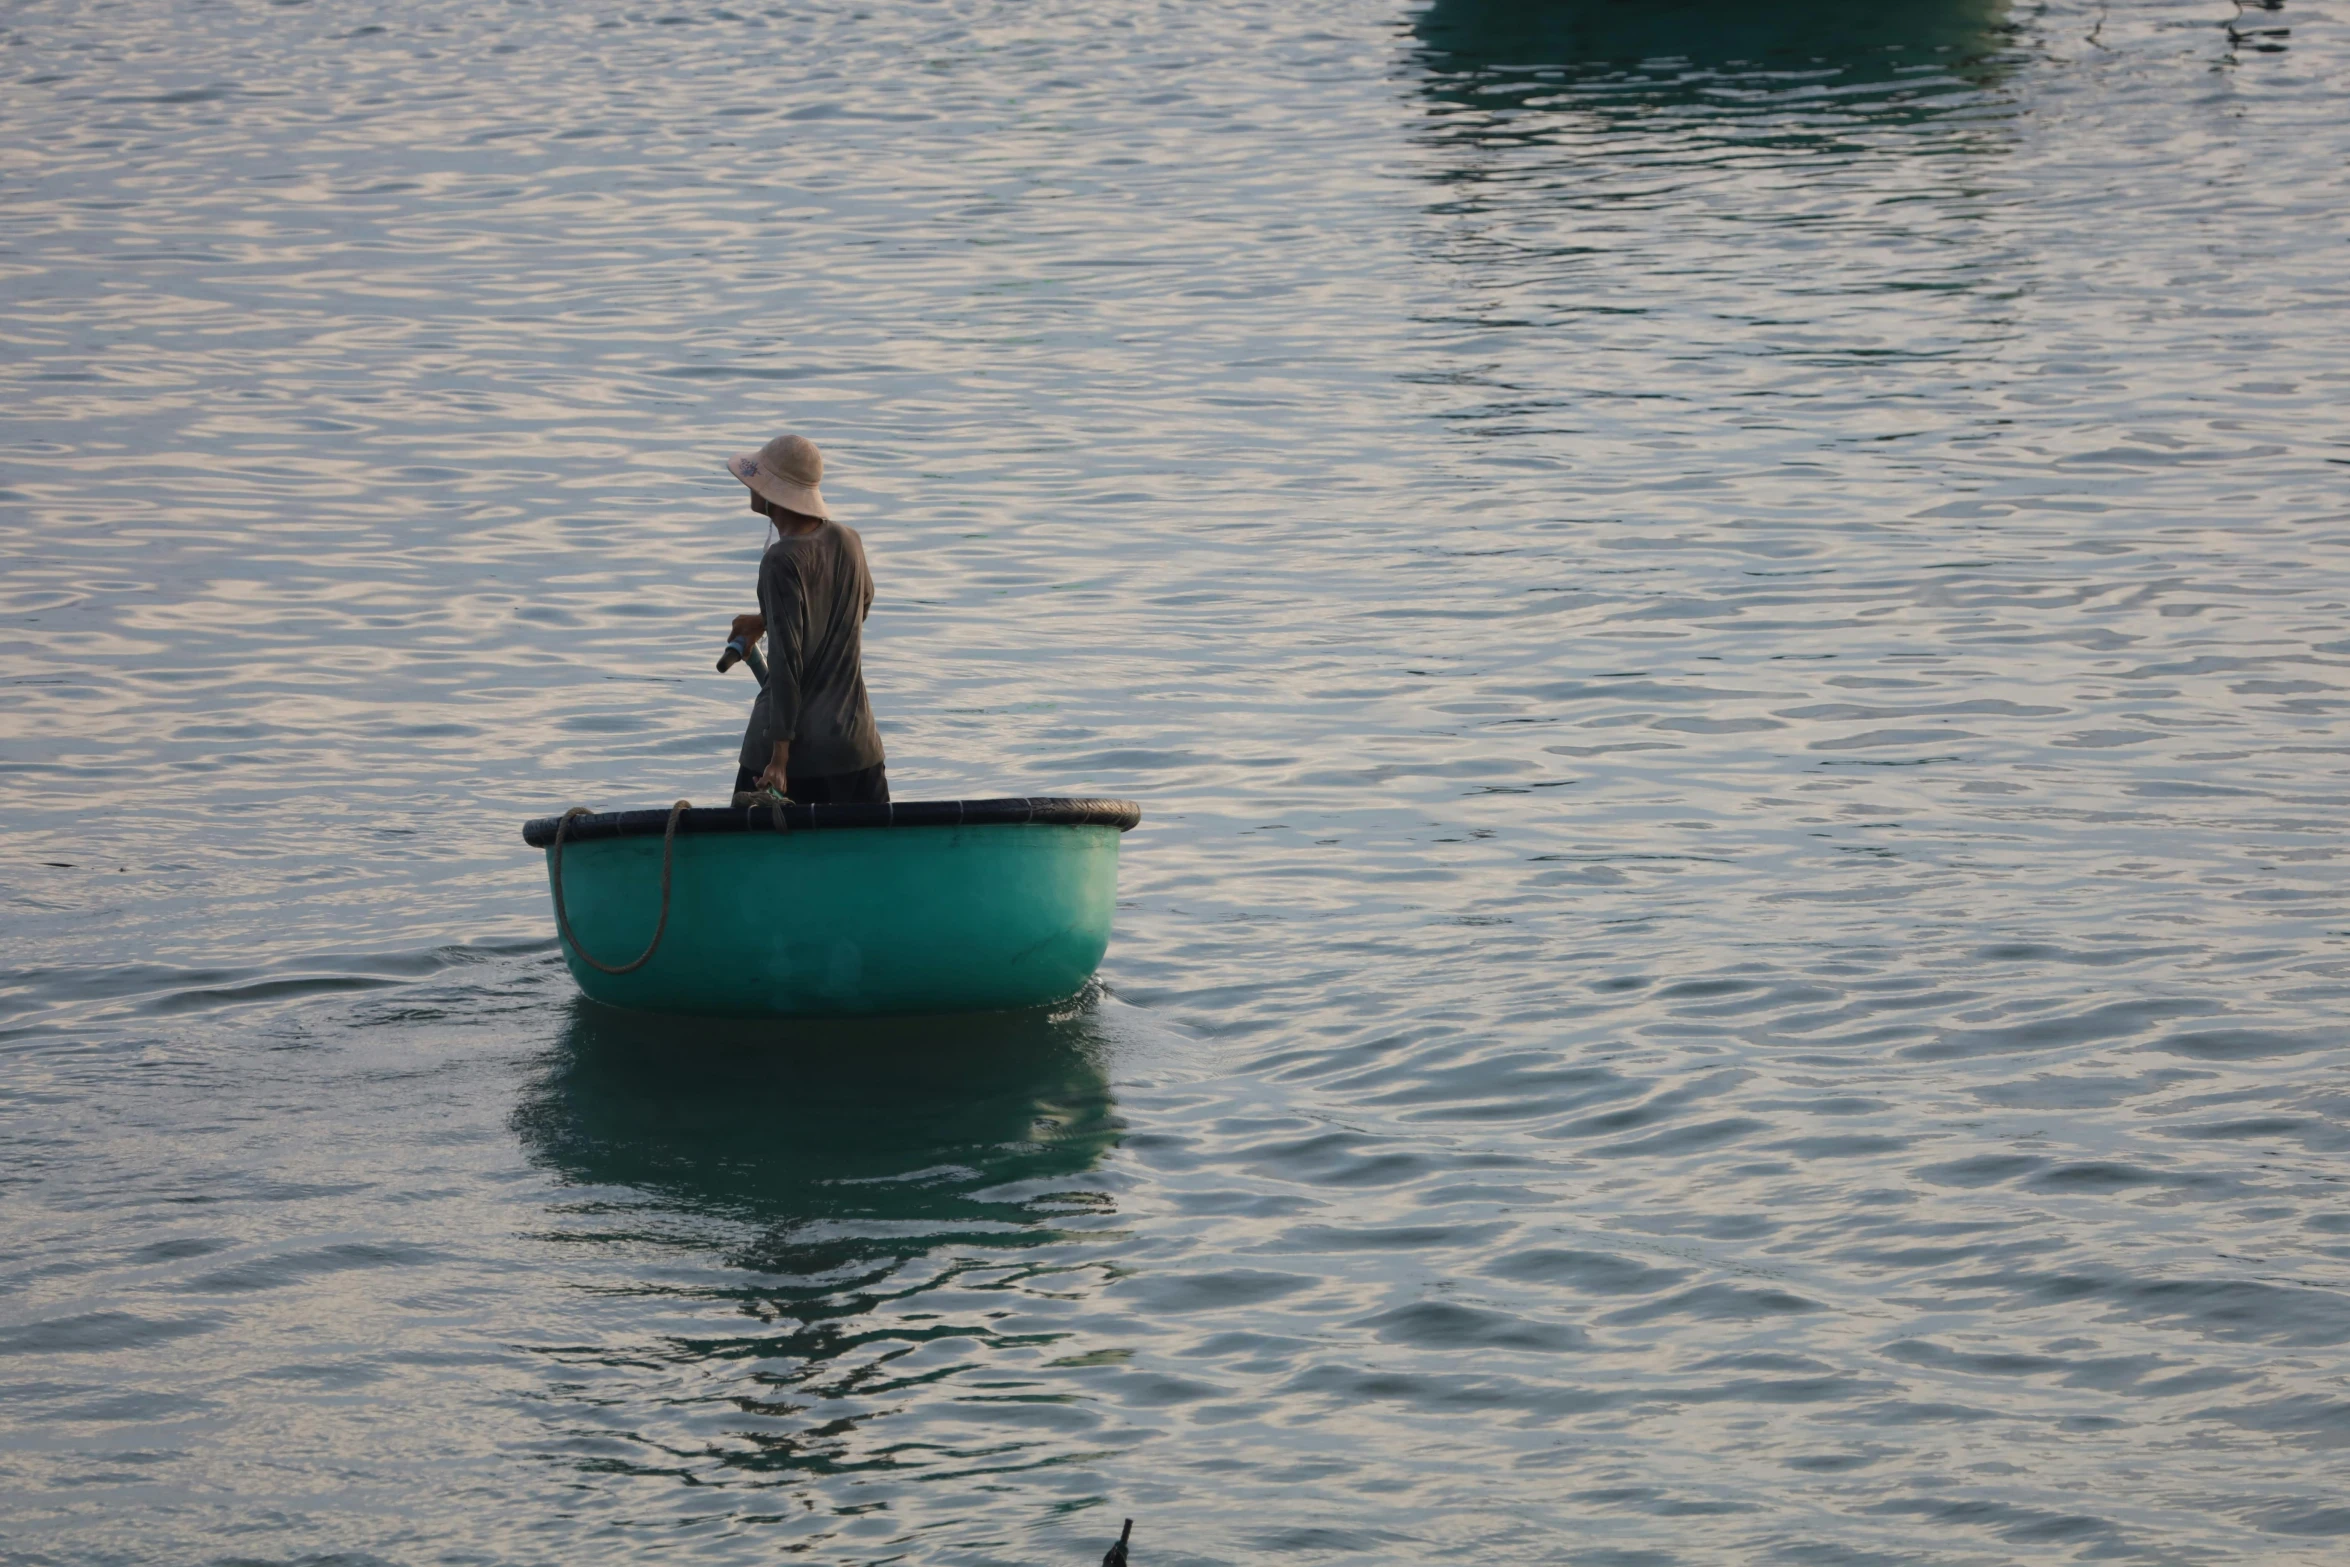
(1733, 625)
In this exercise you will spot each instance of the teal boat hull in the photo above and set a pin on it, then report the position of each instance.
(813, 923)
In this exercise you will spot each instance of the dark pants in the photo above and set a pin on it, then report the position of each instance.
(865, 786)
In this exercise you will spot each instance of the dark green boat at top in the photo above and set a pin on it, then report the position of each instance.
(831, 910)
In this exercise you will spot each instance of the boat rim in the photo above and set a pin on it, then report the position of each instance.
(1041, 811)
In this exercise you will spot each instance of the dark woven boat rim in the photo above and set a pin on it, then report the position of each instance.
(1047, 812)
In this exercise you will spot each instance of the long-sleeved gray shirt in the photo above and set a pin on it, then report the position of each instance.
(815, 592)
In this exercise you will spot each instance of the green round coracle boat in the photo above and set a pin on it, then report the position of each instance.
(829, 910)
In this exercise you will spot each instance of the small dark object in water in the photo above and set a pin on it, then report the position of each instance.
(1115, 1556)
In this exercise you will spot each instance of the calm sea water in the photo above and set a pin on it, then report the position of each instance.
(1733, 623)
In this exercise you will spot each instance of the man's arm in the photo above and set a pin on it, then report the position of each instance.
(778, 773)
(784, 614)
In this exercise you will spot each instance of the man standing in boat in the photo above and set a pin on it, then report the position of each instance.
(811, 735)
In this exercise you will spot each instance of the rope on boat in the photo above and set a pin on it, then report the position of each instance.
(563, 921)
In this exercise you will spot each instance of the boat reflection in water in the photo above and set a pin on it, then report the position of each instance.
(776, 1239)
(825, 1145)
(779, 1234)
(1619, 189)
(1875, 53)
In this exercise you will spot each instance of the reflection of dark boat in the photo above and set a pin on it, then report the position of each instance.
(864, 1188)
(839, 1144)
(1683, 46)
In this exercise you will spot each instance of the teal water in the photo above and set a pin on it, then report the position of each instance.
(1733, 628)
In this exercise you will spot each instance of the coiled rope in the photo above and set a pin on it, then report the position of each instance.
(563, 921)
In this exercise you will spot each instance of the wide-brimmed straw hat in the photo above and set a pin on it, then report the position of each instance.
(785, 472)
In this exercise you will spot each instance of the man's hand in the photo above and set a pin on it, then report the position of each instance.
(750, 627)
(773, 777)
